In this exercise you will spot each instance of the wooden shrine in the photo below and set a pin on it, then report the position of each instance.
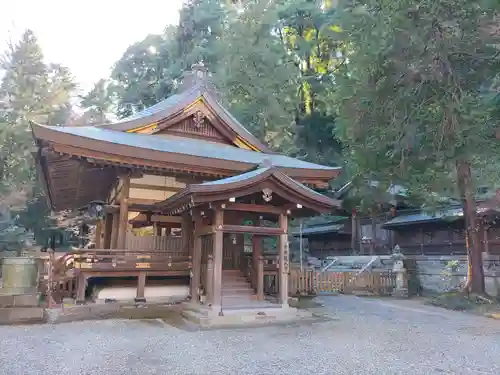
(188, 168)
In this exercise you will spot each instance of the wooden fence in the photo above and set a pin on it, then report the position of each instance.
(313, 282)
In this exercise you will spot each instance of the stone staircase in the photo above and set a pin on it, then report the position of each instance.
(237, 292)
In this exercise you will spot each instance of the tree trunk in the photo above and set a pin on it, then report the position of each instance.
(474, 249)
(374, 232)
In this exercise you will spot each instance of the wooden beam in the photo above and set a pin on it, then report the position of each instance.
(207, 229)
(155, 187)
(264, 231)
(258, 208)
(166, 219)
(142, 201)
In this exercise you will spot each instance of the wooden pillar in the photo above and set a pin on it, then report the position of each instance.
(141, 286)
(108, 229)
(98, 234)
(257, 259)
(486, 245)
(260, 278)
(195, 279)
(209, 279)
(115, 227)
(80, 291)
(283, 254)
(123, 221)
(217, 251)
(157, 230)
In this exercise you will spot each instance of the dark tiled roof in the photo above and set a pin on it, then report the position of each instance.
(317, 230)
(421, 218)
(187, 146)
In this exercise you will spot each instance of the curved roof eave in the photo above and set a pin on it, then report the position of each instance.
(180, 150)
(245, 180)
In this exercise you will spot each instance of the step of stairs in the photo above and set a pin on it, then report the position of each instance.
(236, 289)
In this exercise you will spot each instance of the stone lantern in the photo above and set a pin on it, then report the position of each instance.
(399, 269)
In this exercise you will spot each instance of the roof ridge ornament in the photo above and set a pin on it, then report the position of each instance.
(197, 75)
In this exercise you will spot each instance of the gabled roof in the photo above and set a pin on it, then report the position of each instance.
(178, 103)
(245, 184)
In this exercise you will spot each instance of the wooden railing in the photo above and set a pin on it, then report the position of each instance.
(309, 282)
(129, 260)
(155, 243)
(56, 279)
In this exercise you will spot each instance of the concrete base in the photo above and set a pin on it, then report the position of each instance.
(400, 293)
(208, 318)
(157, 293)
(110, 311)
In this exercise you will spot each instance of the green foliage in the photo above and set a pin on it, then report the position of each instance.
(416, 99)
(29, 90)
(272, 62)
(98, 104)
(143, 76)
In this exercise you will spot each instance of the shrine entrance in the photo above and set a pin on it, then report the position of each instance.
(229, 219)
(231, 252)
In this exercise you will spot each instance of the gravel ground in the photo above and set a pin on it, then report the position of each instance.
(367, 336)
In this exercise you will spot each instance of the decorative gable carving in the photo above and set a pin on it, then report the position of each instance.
(196, 126)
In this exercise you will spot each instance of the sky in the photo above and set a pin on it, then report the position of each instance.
(86, 36)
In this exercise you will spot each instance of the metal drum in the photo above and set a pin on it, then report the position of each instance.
(19, 276)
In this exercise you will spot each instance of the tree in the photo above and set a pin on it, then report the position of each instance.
(29, 90)
(143, 76)
(98, 104)
(264, 102)
(199, 34)
(416, 106)
(290, 108)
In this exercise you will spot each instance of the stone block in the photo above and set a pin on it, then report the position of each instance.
(26, 300)
(21, 315)
(6, 300)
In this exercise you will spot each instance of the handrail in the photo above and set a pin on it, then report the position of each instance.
(127, 260)
(335, 260)
(369, 264)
